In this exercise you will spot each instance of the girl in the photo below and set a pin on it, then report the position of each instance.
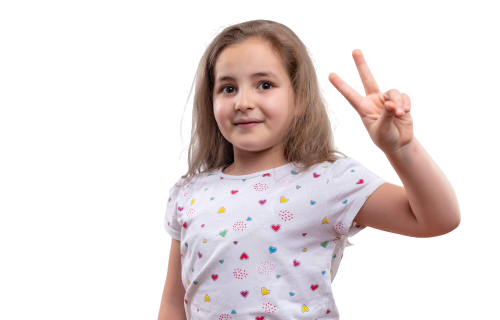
(260, 230)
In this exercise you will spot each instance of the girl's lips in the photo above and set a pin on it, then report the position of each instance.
(248, 125)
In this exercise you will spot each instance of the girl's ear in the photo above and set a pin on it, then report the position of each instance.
(296, 109)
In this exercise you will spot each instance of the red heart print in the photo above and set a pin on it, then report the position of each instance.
(180, 208)
(244, 293)
(360, 181)
(185, 225)
(314, 287)
(316, 175)
(304, 234)
(260, 318)
(185, 301)
(215, 276)
(202, 225)
(234, 191)
(244, 256)
(262, 202)
(295, 263)
(266, 175)
(276, 227)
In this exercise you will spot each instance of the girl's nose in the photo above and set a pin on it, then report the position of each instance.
(244, 99)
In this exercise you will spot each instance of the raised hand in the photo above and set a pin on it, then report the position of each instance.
(386, 116)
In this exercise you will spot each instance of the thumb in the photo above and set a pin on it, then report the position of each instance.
(389, 111)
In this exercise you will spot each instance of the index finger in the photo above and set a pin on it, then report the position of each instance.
(367, 78)
(349, 93)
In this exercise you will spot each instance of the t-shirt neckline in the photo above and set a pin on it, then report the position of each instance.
(255, 174)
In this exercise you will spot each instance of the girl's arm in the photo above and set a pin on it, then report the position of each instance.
(170, 311)
(172, 300)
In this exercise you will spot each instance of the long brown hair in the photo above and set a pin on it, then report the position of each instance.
(309, 137)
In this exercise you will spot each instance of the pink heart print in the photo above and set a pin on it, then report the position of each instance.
(244, 256)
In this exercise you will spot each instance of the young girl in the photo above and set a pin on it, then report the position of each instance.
(261, 220)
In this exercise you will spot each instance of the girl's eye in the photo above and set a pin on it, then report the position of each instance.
(265, 82)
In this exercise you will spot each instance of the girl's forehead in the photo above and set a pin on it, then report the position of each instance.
(246, 59)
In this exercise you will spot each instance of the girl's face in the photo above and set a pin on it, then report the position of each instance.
(240, 92)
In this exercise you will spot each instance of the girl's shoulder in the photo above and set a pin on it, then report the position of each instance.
(342, 162)
(188, 183)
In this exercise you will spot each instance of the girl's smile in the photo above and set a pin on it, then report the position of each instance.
(248, 125)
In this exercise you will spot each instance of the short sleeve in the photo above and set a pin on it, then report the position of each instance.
(353, 183)
(171, 224)
(350, 185)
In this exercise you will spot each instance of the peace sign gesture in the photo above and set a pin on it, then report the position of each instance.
(386, 116)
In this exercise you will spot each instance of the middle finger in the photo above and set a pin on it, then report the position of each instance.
(367, 78)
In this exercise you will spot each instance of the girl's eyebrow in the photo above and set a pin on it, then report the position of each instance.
(255, 75)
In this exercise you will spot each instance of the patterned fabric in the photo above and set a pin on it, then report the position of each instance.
(266, 245)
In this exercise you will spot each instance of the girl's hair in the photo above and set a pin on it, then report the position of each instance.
(308, 138)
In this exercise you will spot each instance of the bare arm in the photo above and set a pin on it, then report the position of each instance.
(172, 300)
(169, 311)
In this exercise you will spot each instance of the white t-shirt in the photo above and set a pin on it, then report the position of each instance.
(266, 245)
